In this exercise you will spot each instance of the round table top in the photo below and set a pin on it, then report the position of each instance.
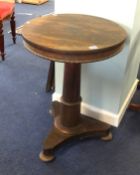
(73, 38)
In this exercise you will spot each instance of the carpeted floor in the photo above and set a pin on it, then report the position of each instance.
(25, 121)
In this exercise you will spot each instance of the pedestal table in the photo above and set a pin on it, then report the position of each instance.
(72, 39)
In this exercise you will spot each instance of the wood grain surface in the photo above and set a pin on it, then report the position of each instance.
(73, 38)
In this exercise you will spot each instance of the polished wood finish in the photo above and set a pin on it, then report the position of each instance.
(59, 134)
(72, 39)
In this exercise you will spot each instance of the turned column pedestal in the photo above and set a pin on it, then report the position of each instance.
(77, 39)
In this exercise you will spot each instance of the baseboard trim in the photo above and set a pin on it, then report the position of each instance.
(127, 102)
(103, 115)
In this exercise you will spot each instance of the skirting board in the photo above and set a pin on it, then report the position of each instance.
(103, 115)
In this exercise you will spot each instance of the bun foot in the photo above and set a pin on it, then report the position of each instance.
(46, 158)
(107, 137)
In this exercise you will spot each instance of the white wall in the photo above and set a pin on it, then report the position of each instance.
(134, 54)
(119, 11)
(105, 85)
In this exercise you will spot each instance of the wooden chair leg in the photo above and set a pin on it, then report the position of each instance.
(2, 41)
(50, 80)
(135, 106)
(13, 27)
(138, 87)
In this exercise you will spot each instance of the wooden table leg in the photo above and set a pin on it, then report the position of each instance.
(69, 123)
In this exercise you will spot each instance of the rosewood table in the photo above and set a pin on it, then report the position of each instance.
(72, 39)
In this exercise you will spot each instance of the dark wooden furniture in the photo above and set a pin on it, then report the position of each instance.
(135, 106)
(72, 39)
(50, 85)
(6, 12)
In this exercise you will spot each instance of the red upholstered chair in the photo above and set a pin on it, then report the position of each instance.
(6, 12)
